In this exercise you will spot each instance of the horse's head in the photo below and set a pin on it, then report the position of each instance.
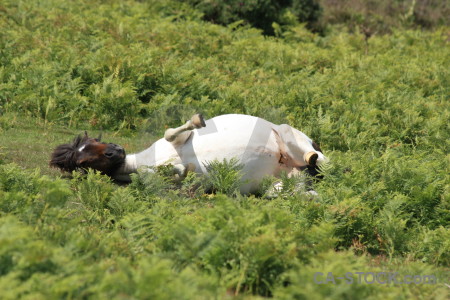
(85, 152)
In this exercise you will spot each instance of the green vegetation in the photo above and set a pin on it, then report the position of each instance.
(224, 177)
(378, 104)
(258, 13)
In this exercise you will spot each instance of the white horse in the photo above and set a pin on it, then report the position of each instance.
(261, 147)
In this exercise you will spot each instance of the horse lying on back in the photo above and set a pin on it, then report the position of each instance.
(261, 147)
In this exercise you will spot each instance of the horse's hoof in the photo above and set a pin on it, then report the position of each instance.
(198, 121)
(311, 158)
(190, 168)
(183, 170)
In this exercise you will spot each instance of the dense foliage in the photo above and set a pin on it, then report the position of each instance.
(379, 107)
(258, 13)
(87, 237)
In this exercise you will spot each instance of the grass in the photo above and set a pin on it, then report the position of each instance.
(146, 233)
(378, 106)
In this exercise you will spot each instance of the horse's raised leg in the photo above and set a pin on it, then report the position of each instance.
(299, 147)
(179, 135)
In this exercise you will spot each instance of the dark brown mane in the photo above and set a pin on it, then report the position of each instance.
(64, 155)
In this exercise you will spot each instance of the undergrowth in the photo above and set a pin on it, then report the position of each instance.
(378, 106)
(88, 237)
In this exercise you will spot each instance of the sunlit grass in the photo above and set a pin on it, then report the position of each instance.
(379, 109)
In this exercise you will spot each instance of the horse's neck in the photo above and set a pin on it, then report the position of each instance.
(128, 167)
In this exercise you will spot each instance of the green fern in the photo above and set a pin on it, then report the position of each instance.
(224, 177)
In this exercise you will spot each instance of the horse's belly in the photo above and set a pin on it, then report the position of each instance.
(251, 141)
(256, 164)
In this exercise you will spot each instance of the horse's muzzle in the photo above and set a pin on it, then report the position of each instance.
(115, 152)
